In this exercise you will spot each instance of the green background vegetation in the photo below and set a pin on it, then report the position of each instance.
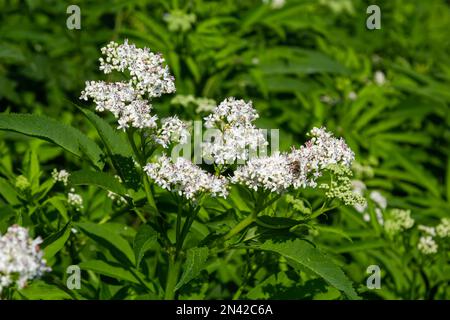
(300, 65)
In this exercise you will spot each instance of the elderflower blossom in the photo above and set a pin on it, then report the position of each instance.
(126, 100)
(427, 245)
(443, 229)
(237, 137)
(75, 200)
(21, 259)
(172, 130)
(302, 167)
(121, 99)
(269, 173)
(60, 176)
(145, 67)
(398, 221)
(185, 178)
(320, 151)
(428, 230)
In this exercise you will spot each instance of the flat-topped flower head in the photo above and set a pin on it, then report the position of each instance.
(21, 259)
(302, 167)
(185, 178)
(267, 173)
(427, 245)
(236, 138)
(173, 130)
(315, 155)
(232, 112)
(147, 70)
(121, 99)
(397, 221)
(129, 101)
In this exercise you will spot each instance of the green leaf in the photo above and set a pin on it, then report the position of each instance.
(56, 242)
(100, 179)
(118, 149)
(53, 131)
(39, 290)
(195, 262)
(109, 269)
(118, 246)
(302, 255)
(8, 192)
(59, 205)
(146, 238)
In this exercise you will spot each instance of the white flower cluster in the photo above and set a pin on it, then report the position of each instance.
(20, 258)
(269, 173)
(315, 155)
(443, 229)
(185, 178)
(427, 245)
(121, 99)
(172, 130)
(129, 101)
(300, 168)
(148, 75)
(237, 137)
(398, 221)
(75, 200)
(60, 176)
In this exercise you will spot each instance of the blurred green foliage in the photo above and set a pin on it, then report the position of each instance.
(305, 64)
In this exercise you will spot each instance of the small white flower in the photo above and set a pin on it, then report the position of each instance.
(443, 229)
(185, 178)
(352, 95)
(173, 130)
(20, 258)
(61, 176)
(75, 199)
(427, 245)
(378, 198)
(398, 220)
(428, 230)
(236, 137)
(379, 78)
(146, 69)
(268, 173)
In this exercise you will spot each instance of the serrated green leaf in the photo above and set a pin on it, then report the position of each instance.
(146, 238)
(195, 262)
(302, 255)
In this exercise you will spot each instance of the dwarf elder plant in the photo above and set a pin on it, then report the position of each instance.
(187, 216)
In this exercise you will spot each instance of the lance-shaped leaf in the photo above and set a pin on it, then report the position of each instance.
(53, 131)
(99, 179)
(117, 246)
(304, 256)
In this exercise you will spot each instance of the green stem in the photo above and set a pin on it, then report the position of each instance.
(172, 278)
(242, 225)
